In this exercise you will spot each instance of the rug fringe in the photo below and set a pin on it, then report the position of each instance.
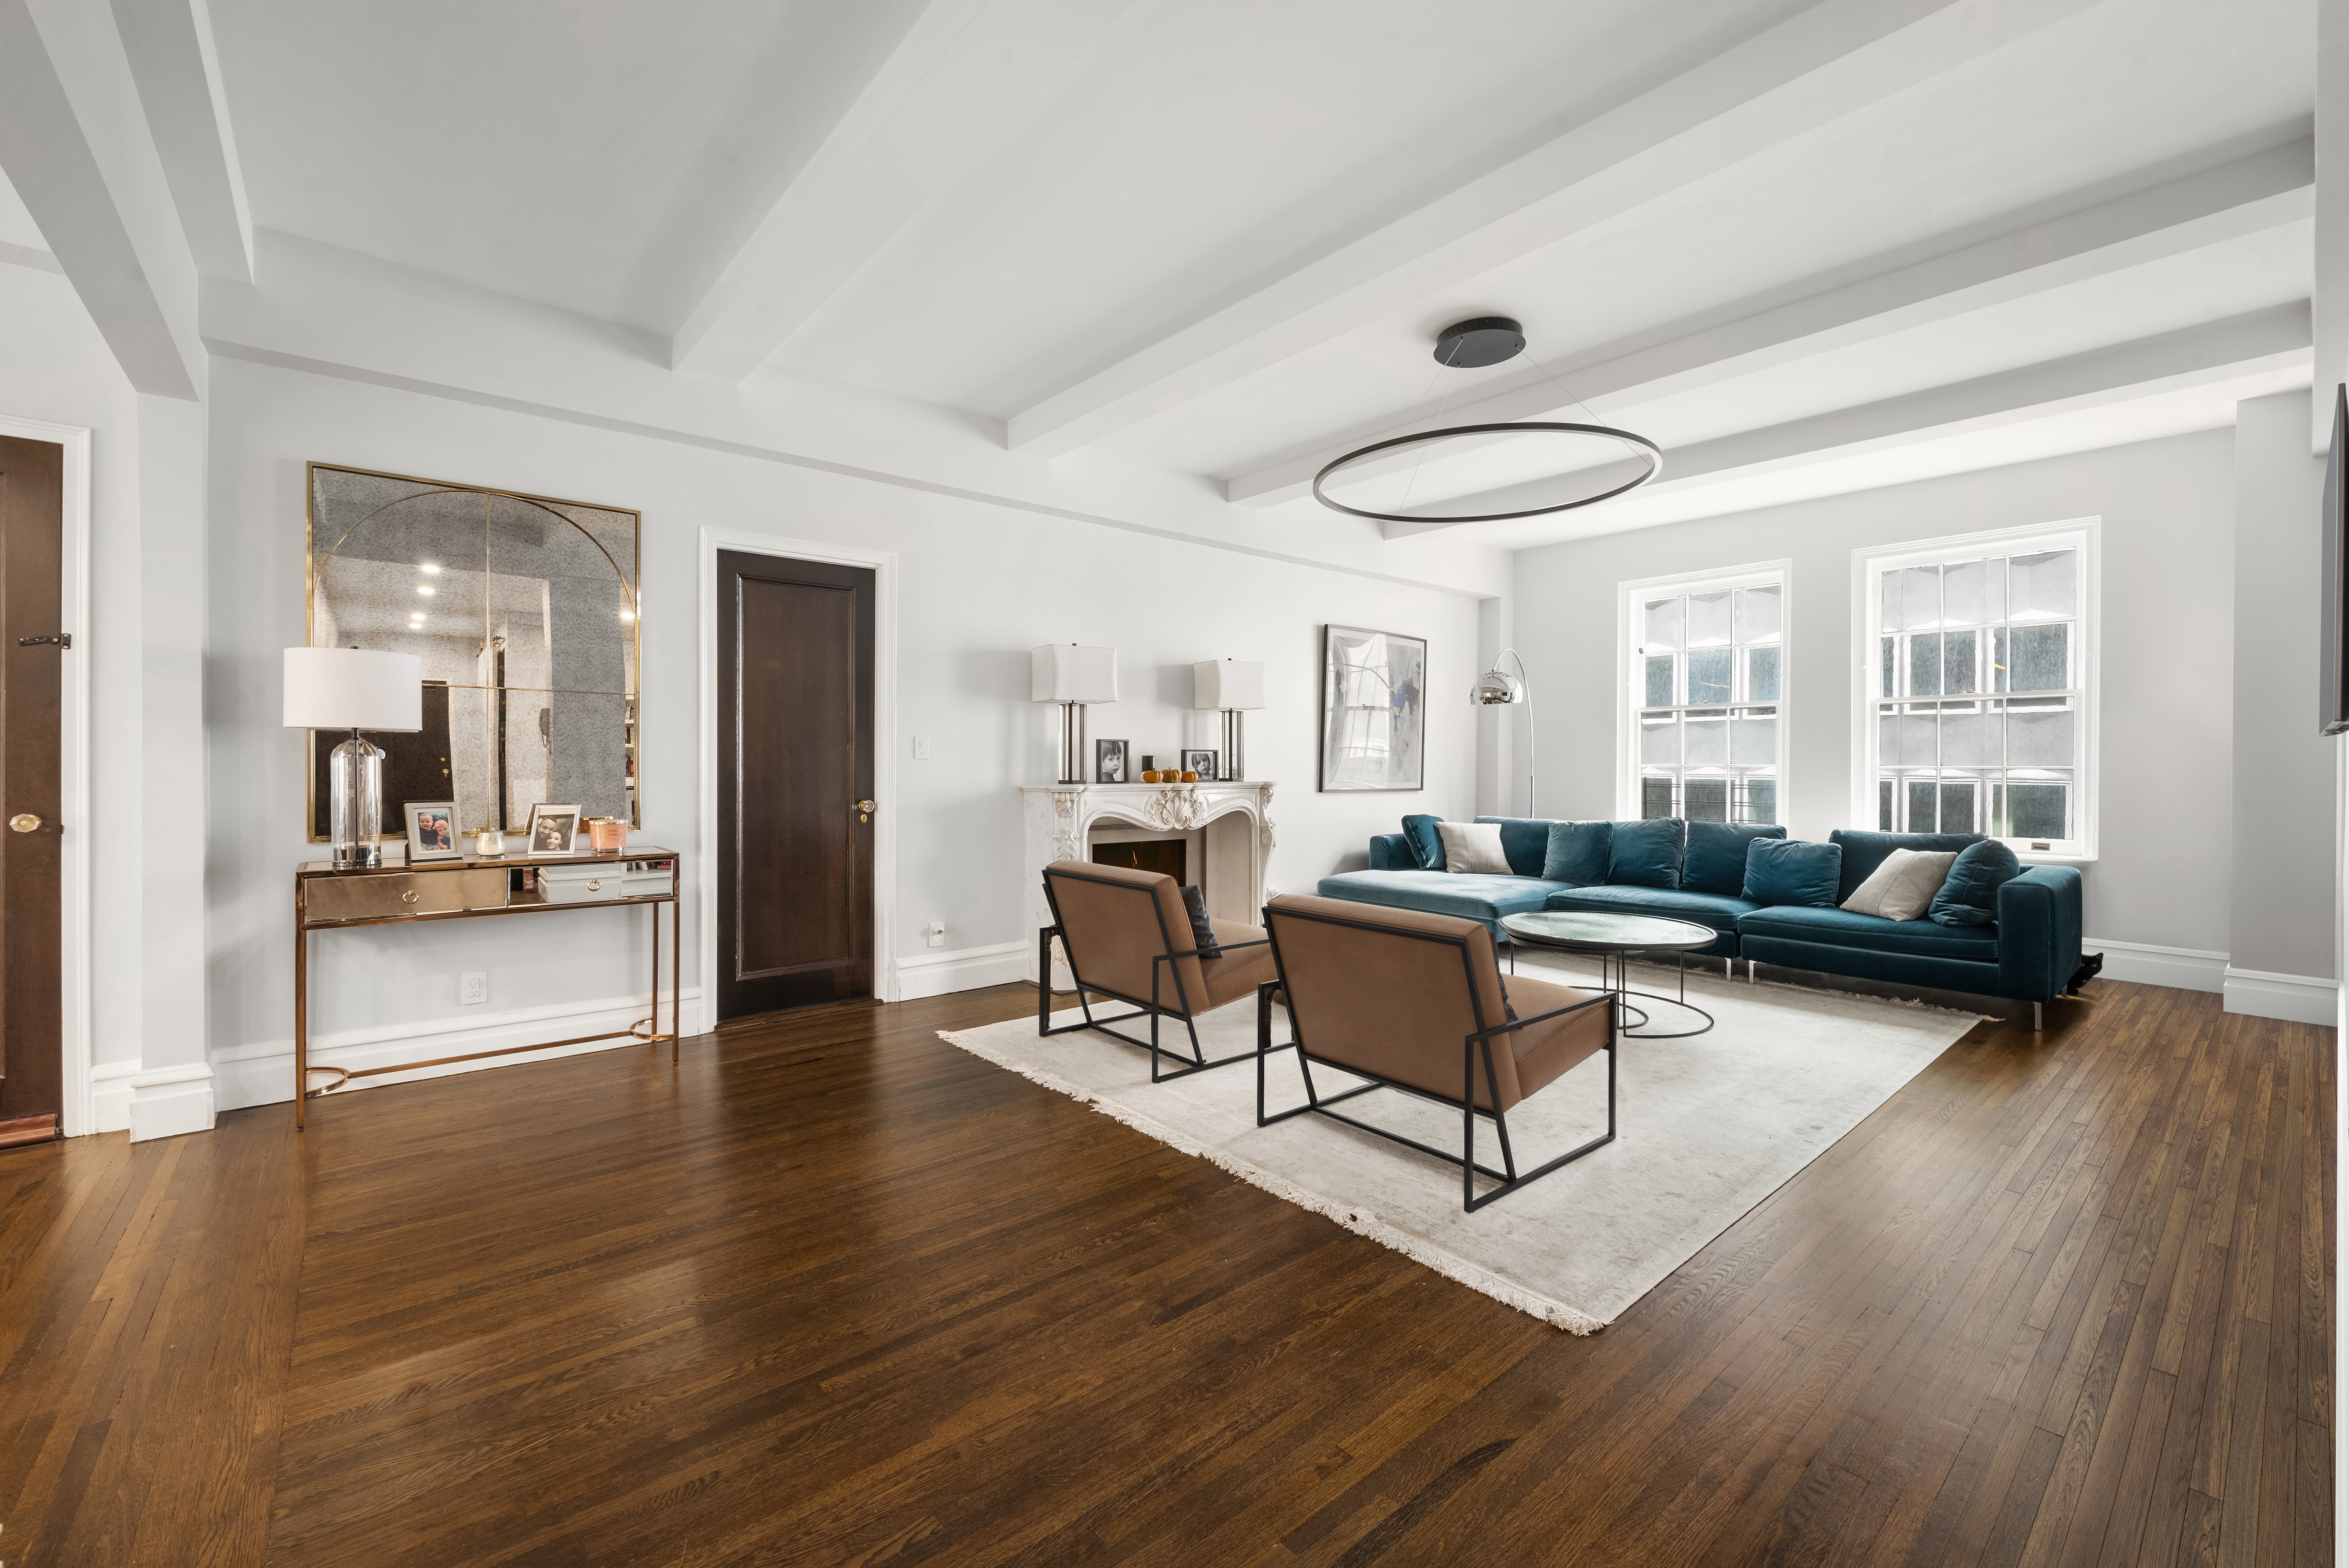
(1361, 1221)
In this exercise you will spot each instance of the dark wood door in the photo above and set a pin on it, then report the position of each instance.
(32, 541)
(795, 802)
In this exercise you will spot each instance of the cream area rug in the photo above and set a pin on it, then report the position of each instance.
(1706, 1128)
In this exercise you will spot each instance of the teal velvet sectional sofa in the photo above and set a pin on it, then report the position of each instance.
(2029, 954)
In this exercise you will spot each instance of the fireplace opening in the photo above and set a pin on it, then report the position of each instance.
(1166, 855)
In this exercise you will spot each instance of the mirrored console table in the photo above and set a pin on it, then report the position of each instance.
(467, 889)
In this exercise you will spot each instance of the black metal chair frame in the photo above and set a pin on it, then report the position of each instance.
(1478, 1043)
(1162, 968)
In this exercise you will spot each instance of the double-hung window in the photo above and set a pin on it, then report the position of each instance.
(1978, 679)
(1705, 719)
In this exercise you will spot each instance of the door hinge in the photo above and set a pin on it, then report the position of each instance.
(61, 639)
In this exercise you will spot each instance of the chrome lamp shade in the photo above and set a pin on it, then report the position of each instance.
(1234, 686)
(354, 689)
(1072, 676)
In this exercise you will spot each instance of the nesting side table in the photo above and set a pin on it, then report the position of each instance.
(467, 889)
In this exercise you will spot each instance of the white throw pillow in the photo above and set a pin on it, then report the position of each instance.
(1473, 847)
(1902, 888)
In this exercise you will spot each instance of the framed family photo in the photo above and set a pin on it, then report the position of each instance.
(1373, 710)
(553, 829)
(1203, 763)
(1109, 763)
(431, 830)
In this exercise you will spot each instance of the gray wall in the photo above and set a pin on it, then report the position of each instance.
(2283, 894)
(2167, 647)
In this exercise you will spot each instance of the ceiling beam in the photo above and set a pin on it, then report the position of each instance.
(963, 72)
(169, 46)
(1816, 67)
(2273, 339)
(2246, 195)
(74, 143)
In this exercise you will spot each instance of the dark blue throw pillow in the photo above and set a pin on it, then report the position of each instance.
(1576, 852)
(1646, 854)
(1789, 872)
(1970, 895)
(1426, 849)
(1715, 861)
(1523, 841)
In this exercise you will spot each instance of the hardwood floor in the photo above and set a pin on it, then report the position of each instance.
(835, 1292)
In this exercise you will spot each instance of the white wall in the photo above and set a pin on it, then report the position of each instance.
(980, 585)
(2167, 653)
(2283, 767)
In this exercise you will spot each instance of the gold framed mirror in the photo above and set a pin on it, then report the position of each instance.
(524, 612)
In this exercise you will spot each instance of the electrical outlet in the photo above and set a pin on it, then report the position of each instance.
(474, 986)
(937, 934)
(921, 748)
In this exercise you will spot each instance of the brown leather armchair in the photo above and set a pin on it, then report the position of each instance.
(1127, 936)
(1389, 995)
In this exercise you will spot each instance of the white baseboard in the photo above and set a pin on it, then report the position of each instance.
(928, 974)
(109, 1096)
(2187, 968)
(166, 1102)
(2298, 998)
(263, 1073)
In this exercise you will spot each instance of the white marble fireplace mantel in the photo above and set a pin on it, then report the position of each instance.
(1229, 823)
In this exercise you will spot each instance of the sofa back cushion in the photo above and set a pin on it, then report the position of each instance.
(1576, 852)
(1786, 872)
(1525, 840)
(1473, 847)
(1426, 850)
(1970, 896)
(1645, 853)
(1864, 851)
(1715, 860)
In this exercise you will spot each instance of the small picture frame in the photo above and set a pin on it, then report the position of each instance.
(431, 830)
(553, 829)
(1109, 762)
(1203, 763)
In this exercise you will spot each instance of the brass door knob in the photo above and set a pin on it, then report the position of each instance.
(867, 806)
(24, 822)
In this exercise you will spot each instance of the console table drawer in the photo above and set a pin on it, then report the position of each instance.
(409, 893)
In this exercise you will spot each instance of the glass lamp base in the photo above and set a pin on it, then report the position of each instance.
(354, 804)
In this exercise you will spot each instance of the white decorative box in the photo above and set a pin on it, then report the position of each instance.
(592, 884)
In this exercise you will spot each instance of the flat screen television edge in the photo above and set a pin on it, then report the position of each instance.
(2332, 680)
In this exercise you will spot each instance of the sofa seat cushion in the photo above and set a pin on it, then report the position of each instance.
(1471, 896)
(1716, 910)
(1842, 928)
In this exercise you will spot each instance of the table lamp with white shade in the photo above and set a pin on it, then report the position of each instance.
(354, 689)
(1072, 676)
(1234, 685)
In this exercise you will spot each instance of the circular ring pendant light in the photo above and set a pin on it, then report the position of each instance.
(1474, 344)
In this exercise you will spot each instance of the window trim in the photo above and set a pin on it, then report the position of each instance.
(1871, 562)
(1753, 574)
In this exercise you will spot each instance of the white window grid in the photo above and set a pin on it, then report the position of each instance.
(1914, 792)
(1740, 786)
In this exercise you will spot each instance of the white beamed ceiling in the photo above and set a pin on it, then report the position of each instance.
(1179, 234)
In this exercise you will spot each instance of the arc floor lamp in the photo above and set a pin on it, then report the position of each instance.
(1495, 688)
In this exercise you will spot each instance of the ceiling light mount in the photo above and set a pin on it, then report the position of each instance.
(1484, 340)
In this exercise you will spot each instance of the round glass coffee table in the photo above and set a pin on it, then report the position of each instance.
(1615, 936)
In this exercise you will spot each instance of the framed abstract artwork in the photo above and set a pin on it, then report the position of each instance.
(1373, 710)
